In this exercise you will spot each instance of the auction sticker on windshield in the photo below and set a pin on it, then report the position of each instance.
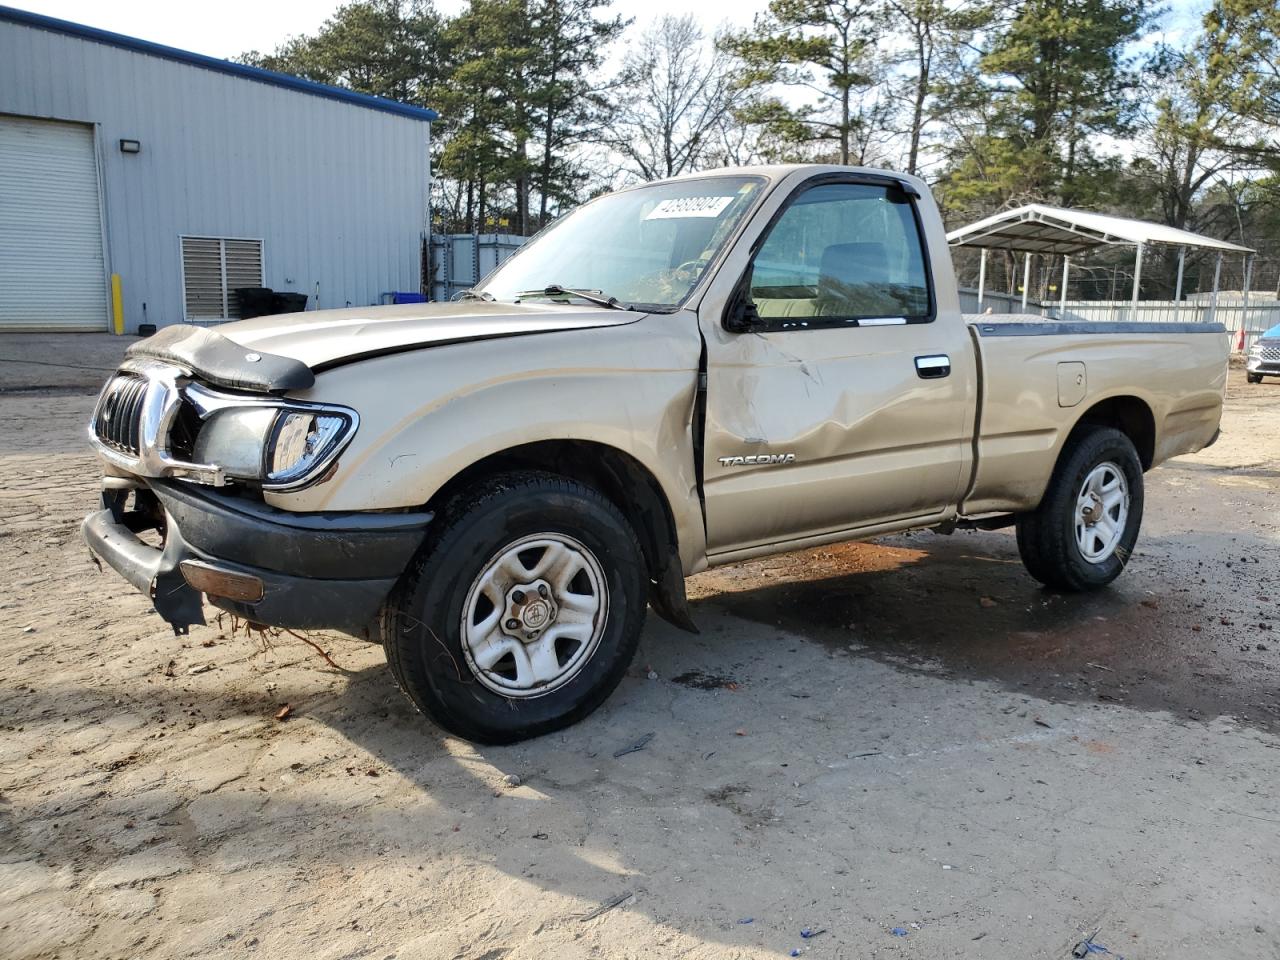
(680, 207)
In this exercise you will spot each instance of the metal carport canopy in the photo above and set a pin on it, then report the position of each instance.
(1036, 228)
(1057, 231)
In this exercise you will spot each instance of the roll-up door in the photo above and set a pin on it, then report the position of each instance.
(52, 274)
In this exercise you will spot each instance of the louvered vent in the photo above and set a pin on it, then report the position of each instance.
(212, 270)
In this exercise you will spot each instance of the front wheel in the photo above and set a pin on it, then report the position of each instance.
(1253, 377)
(1083, 533)
(524, 611)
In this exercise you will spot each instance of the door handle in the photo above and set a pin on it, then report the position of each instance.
(933, 367)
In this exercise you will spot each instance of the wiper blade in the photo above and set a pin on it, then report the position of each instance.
(472, 294)
(592, 296)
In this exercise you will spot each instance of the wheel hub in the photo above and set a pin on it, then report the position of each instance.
(1102, 511)
(531, 608)
(534, 616)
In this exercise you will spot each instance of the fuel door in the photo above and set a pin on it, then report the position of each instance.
(1073, 383)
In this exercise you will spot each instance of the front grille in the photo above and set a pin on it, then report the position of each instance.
(118, 423)
(1271, 353)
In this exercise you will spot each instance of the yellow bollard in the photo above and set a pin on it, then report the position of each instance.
(117, 305)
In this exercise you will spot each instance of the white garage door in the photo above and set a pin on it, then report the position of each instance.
(51, 268)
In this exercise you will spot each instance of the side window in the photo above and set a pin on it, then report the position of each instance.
(840, 254)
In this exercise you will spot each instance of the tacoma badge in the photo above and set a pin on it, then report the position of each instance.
(758, 459)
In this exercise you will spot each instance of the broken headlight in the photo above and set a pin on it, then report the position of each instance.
(234, 439)
(301, 443)
(282, 446)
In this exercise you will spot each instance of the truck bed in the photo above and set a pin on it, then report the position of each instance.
(1039, 378)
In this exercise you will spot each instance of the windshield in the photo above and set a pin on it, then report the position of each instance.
(646, 247)
(1274, 332)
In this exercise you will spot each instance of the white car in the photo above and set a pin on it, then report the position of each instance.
(1264, 357)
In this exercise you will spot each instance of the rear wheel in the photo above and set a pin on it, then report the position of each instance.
(524, 612)
(1083, 533)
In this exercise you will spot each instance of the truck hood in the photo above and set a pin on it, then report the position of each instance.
(285, 352)
(327, 338)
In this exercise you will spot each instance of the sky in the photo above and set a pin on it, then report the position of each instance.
(230, 27)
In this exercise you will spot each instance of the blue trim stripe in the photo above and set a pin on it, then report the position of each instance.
(42, 22)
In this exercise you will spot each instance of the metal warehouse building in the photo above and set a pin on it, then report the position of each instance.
(173, 178)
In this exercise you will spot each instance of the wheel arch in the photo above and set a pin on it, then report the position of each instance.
(626, 482)
(1129, 414)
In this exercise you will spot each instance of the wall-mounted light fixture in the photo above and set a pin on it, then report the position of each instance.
(130, 146)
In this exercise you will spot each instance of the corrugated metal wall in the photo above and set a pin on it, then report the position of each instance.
(1261, 313)
(337, 192)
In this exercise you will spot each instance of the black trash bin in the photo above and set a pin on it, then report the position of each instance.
(256, 301)
(290, 303)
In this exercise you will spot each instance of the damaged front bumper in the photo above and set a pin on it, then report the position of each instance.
(290, 570)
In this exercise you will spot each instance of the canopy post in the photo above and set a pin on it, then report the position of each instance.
(982, 278)
(1026, 279)
(1062, 294)
(1177, 292)
(1137, 283)
(1244, 312)
(1217, 275)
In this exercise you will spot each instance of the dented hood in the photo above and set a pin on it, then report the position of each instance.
(327, 338)
(284, 352)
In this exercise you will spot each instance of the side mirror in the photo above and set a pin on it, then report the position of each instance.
(743, 317)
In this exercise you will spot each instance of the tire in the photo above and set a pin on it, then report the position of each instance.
(491, 544)
(1253, 377)
(1050, 537)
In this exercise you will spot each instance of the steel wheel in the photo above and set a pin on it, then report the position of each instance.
(1102, 510)
(534, 615)
(1082, 534)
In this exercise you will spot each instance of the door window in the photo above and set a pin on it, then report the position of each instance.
(843, 254)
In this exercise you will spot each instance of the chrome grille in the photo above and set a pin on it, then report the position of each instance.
(118, 421)
(1271, 353)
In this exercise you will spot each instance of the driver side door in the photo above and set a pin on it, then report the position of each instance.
(848, 408)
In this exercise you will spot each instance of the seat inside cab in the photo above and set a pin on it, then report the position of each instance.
(852, 282)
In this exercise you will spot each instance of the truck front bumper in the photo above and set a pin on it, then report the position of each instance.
(292, 570)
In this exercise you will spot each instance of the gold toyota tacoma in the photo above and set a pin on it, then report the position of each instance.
(674, 376)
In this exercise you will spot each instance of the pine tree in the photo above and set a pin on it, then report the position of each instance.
(385, 48)
(1053, 79)
(826, 47)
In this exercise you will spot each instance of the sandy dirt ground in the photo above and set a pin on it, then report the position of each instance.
(908, 735)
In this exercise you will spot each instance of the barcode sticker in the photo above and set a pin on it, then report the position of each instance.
(680, 207)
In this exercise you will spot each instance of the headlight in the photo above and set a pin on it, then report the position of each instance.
(234, 439)
(282, 446)
(301, 442)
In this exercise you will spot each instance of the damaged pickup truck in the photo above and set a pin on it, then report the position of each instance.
(674, 376)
